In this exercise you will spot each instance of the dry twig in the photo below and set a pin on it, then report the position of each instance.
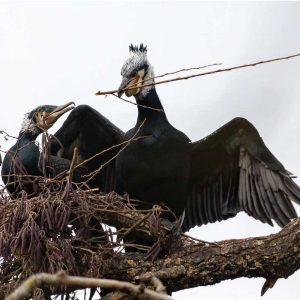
(25, 290)
(200, 74)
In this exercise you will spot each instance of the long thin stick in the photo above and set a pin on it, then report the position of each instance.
(200, 74)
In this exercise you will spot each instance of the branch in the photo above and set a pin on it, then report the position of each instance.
(192, 264)
(199, 74)
(6, 135)
(25, 290)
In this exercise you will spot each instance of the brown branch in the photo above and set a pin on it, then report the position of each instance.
(7, 135)
(193, 264)
(107, 150)
(137, 104)
(200, 74)
(184, 70)
(25, 290)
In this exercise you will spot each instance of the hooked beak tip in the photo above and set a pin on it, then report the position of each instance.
(120, 93)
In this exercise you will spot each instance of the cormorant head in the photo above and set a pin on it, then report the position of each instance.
(135, 71)
(43, 117)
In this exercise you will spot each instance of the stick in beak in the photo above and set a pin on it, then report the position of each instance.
(122, 86)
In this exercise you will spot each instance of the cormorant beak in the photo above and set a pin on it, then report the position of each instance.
(129, 83)
(123, 86)
(51, 117)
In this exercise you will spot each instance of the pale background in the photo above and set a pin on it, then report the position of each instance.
(52, 52)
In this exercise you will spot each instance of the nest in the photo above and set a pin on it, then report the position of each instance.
(62, 228)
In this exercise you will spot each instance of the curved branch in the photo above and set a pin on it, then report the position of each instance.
(25, 290)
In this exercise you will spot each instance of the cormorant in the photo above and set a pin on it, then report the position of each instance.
(23, 158)
(212, 179)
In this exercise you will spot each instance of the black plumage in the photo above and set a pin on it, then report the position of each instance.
(213, 179)
(155, 168)
(91, 133)
(23, 161)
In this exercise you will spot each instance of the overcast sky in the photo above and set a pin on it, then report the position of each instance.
(52, 52)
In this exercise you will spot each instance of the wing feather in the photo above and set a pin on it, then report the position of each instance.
(232, 170)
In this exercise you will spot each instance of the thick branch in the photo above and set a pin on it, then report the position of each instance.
(274, 256)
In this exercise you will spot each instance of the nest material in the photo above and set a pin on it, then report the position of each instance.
(59, 230)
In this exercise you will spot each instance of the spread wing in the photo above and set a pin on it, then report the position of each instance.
(91, 133)
(232, 170)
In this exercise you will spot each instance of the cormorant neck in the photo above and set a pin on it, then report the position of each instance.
(151, 100)
(28, 135)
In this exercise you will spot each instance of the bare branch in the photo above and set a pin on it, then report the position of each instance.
(136, 104)
(200, 74)
(184, 70)
(6, 135)
(191, 264)
(25, 290)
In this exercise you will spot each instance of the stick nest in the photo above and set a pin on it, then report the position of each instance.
(58, 230)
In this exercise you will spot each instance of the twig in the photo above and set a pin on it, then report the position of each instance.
(106, 150)
(183, 70)
(201, 241)
(93, 173)
(141, 105)
(72, 166)
(199, 74)
(134, 226)
(25, 290)
(6, 135)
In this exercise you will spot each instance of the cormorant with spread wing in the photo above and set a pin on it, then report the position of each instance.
(21, 162)
(213, 179)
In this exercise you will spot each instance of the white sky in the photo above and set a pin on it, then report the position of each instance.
(52, 52)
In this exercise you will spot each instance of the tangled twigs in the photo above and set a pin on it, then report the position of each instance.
(25, 290)
(6, 135)
(199, 74)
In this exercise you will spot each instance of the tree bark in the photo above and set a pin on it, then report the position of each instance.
(196, 264)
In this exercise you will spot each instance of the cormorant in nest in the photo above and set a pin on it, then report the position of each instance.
(91, 133)
(23, 162)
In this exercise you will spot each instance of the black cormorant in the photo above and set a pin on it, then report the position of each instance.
(213, 179)
(21, 162)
